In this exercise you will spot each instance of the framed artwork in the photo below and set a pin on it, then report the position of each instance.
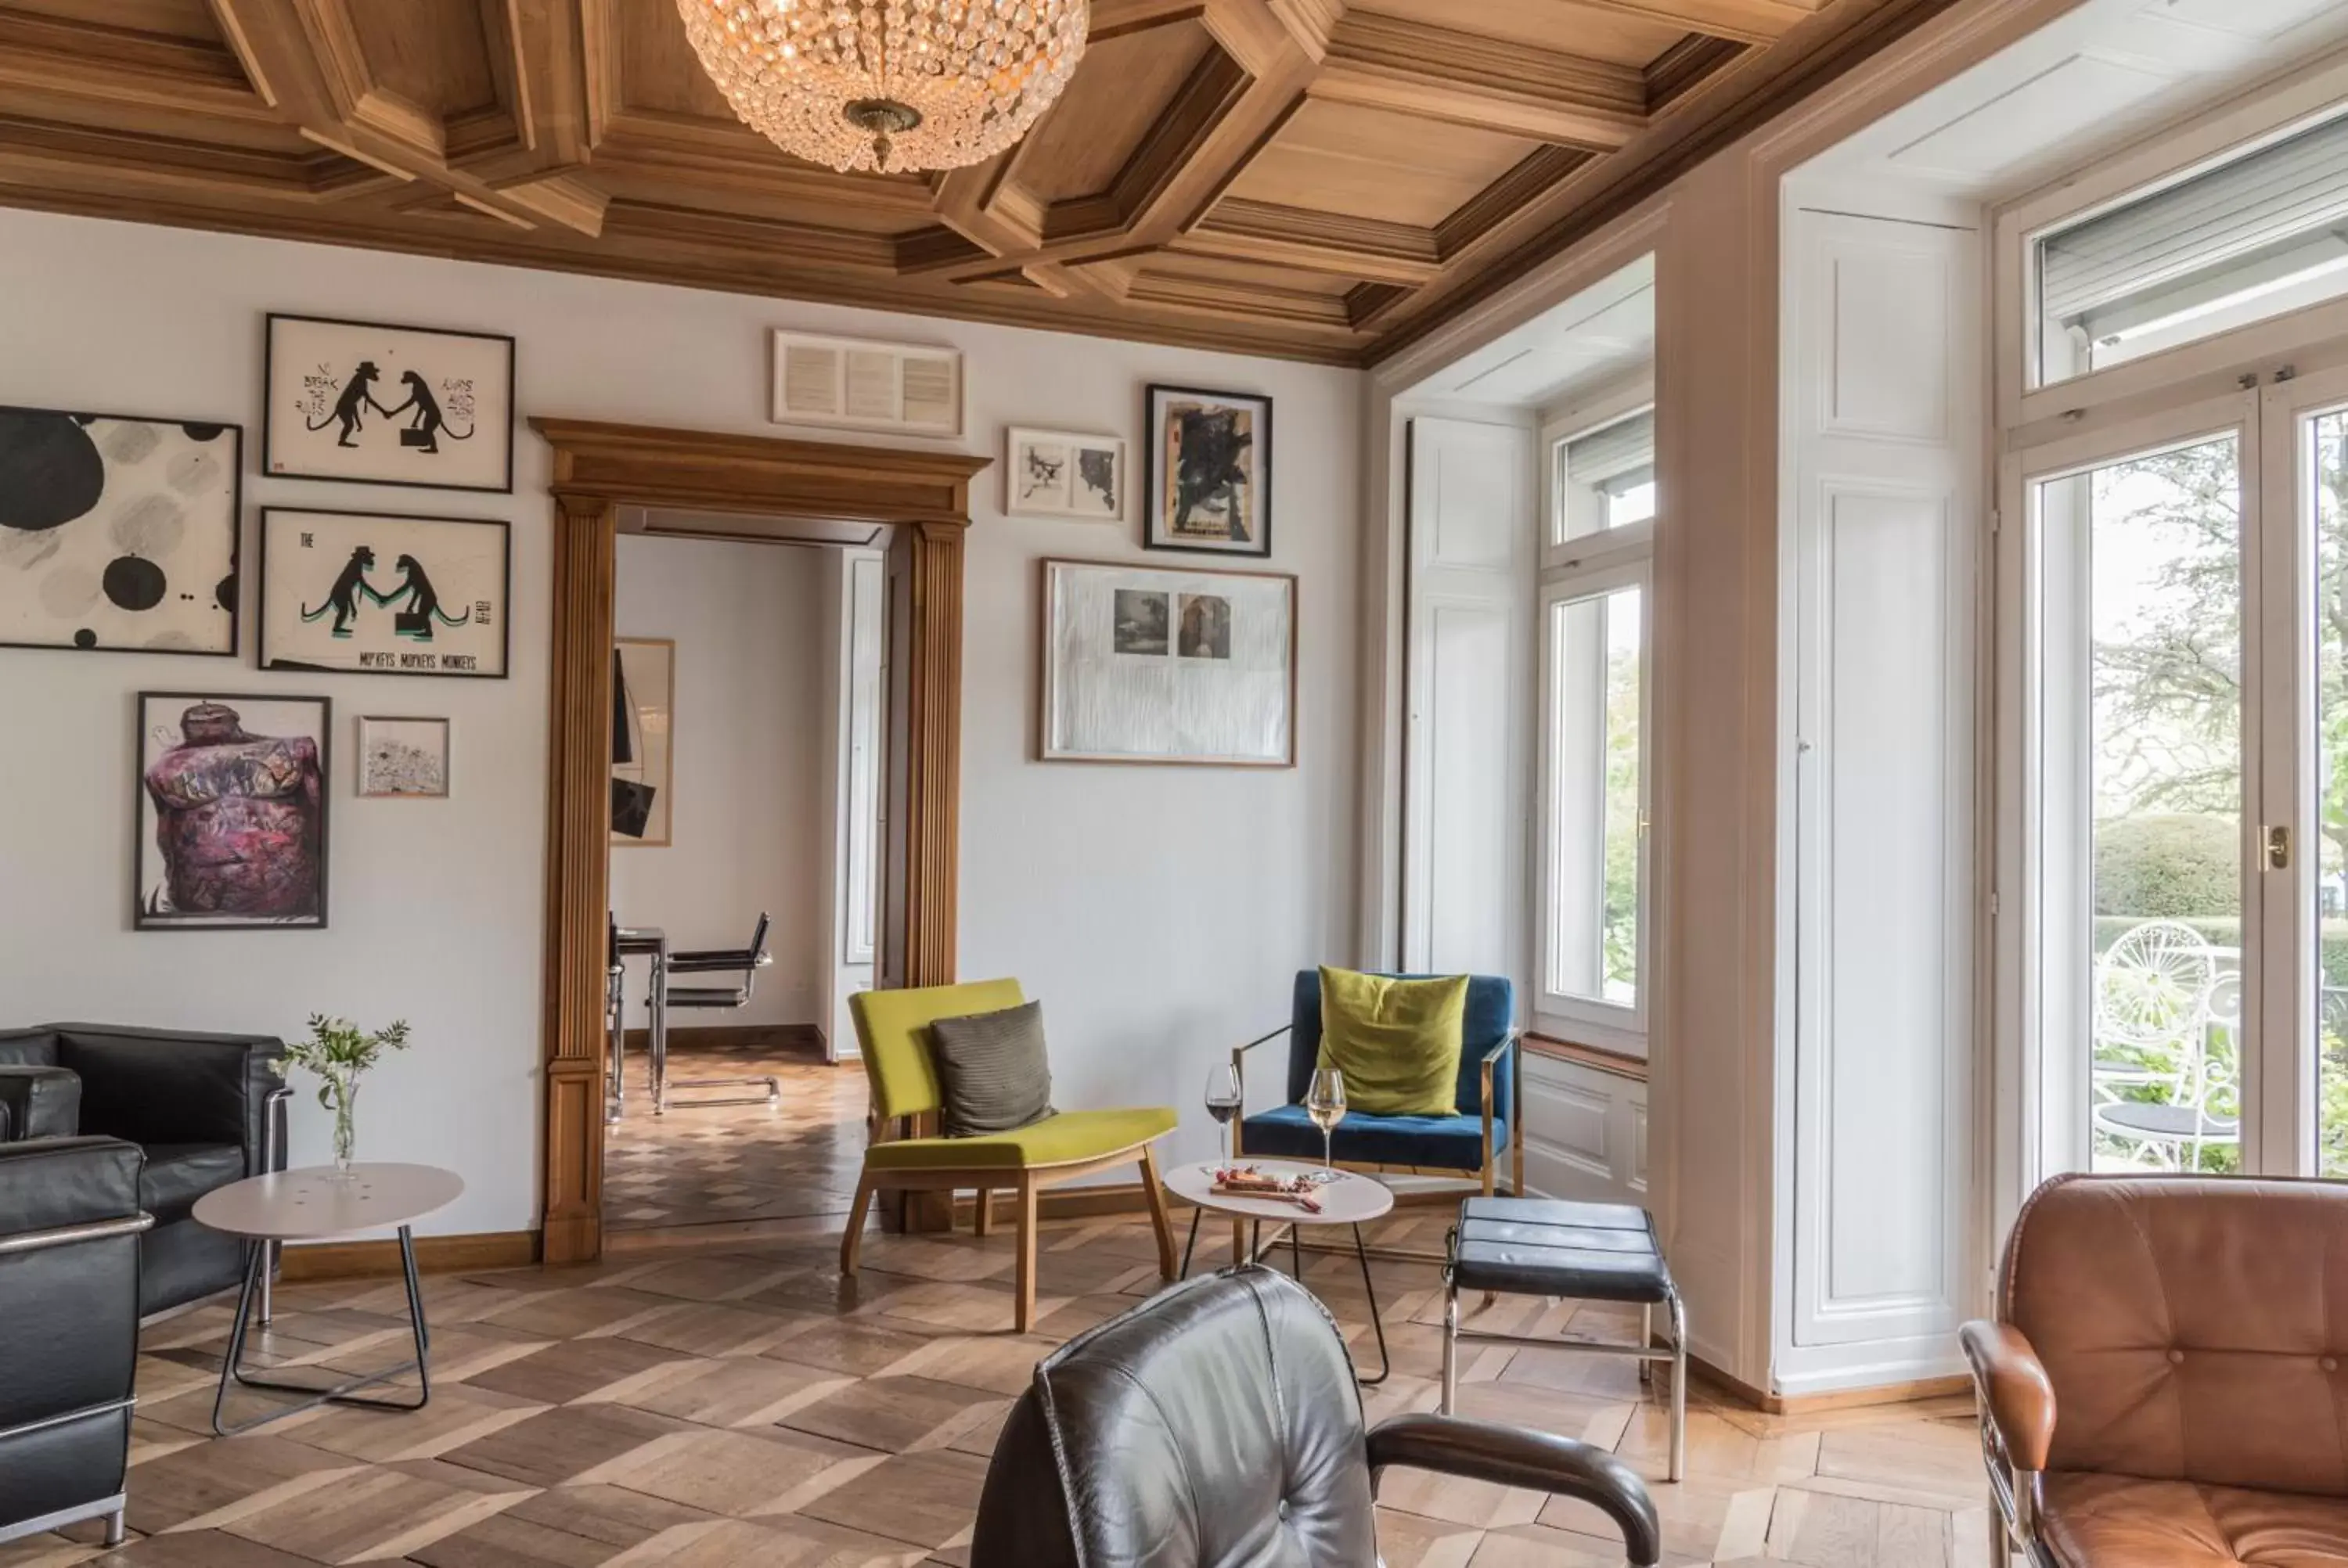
(118, 533)
(644, 714)
(1058, 474)
(231, 810)
(863, 384)
(1149, 665)
(378, 593)
(403, 759)
(1209, 472)
(388, 405)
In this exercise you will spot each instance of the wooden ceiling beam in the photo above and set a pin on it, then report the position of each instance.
(1380, 62)
(1314, 242)
(103, 65)
(1745, 21)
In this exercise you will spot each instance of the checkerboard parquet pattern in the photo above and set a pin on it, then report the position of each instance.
(706, 1164)
(745, 1405)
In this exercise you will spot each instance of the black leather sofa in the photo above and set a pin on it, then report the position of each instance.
(70, 1229)
(1219, 1425)
(203, 1108)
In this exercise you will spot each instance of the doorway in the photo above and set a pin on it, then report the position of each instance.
(733, 486)
(748, 753)
(2187, 740)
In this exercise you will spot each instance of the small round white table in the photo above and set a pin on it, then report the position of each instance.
(319, 1202)
(1349, 1199)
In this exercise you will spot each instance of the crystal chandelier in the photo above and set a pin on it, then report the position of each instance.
(893, 84)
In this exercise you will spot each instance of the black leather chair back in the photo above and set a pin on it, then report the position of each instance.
(1216, 1425)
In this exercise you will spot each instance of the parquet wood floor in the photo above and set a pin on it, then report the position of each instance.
(705, 1164)
(745, 1405)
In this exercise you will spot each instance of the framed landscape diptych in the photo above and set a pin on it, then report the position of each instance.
(403, 759)
(1057, 474)
(1209, 472)
(231, 810)
(384, 594)
(118, 533)
(1146, 665)
(388, 405)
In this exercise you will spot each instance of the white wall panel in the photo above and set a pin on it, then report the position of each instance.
(1883, 524)
(1585, 1132)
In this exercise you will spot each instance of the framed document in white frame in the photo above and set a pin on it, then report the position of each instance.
(403, 759)
(382, 405)
(1061, 474)
(1149, 665)
(861, 384)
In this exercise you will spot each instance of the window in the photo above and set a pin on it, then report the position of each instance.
(1604, 478)
(2254, 236)
(1595, 765)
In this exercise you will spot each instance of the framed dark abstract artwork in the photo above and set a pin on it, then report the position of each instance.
(1143, 664)
(1209, 472)
(383, 594)
(118, 533)
(231, 810)
(1058, 474)
(388, 405)
(643, 740)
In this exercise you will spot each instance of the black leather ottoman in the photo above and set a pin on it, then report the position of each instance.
(1586, 1252)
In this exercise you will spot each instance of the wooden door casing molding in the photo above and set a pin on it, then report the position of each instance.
(599, 468)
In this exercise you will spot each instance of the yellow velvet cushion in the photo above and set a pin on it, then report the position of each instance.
(1054, 1141)
(1397, 1041)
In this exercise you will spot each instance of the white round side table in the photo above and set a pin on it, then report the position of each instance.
(1348, 1199)
(319, 1202)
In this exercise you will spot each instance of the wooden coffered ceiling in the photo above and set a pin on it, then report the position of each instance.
(1322, 179)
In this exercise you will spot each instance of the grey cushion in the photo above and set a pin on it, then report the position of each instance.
(992, 1073)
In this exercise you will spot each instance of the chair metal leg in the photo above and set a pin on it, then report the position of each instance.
(1679, 1389)
(1450, 1346)
(772, 1098)
(114, 1530)
(1647, 1336)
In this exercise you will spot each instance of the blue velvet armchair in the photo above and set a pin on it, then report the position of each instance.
(1468, 1142)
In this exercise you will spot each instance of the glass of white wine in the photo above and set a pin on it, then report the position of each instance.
(1223, 1103)
(1325, 1103)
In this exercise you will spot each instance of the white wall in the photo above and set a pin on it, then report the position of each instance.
(746, 812)
(1157, 911)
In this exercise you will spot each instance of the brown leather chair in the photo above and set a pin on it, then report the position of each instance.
(1217, 1425)
(2164, 1381)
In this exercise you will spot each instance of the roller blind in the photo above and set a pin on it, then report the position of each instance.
(1612, 451)
(2273, 202)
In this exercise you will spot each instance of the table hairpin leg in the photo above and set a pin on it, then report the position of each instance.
(1377, 1326)
(233, 1366)
(1196, 1213)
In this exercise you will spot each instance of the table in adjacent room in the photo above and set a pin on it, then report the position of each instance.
(322, 1202)
(1349, 1199)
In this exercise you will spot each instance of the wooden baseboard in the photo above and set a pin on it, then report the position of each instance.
(1838, 1399)
(434, 1255)
(775, 1039)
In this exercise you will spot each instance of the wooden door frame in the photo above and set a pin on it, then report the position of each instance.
(599, 468)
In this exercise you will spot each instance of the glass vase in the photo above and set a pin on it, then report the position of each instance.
(345, 1096)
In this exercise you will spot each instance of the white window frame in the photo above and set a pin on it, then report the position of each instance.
(2072, 426)
(1585, 566)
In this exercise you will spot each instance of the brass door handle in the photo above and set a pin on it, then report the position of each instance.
(2278, 848)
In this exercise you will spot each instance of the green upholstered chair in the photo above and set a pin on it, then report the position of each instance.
(892, 1028)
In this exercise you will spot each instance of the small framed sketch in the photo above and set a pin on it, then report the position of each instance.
(643, 740)
(118, 533)
(1209, 472)
(403, 759)
(388, 405)
(231, 810)
(1144, 665)
(379, 593)
(1057, 474)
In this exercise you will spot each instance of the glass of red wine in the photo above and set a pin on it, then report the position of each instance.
(1223, 1103)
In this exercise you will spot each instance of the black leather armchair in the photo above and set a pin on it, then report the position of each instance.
(205, 1108)
(1217, 1425)
(69, 1236)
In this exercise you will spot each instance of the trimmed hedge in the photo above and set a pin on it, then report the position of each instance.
(2173, 865)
